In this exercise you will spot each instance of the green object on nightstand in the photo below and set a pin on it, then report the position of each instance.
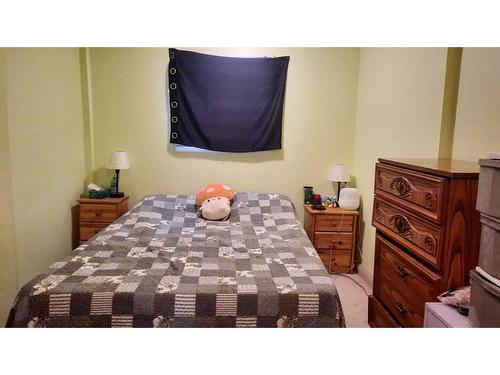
(99, 194)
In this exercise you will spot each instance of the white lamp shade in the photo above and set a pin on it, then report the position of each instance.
(338, 173)
(119, 160)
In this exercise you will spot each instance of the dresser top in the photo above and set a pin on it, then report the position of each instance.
(440, 167)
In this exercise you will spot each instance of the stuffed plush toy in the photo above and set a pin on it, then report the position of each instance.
(214, 201)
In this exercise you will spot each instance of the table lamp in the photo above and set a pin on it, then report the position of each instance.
(338, 174)
(119, 161)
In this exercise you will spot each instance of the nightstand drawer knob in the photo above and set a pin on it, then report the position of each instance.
(98, 213)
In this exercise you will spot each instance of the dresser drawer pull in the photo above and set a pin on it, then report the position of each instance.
(400, 307)
(401, 187)
(402, 225)
(98, 213)
(402, 272)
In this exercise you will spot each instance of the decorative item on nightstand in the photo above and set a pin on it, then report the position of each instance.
(349, 198)
(119, 161)
(338, 174)
(308, 192)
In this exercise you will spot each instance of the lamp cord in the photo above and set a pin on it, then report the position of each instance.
(331, 256)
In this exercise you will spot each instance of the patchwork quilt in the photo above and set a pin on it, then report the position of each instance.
(161, 265)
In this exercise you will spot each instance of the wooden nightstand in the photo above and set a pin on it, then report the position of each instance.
(333, 234)
(97, 214)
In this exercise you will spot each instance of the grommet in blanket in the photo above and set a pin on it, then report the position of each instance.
(173, 86)
(173, 71)
(174, 119)
(174, 135)
(171, 54)
(174, 104)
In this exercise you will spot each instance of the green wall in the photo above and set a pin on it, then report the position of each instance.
(477, 128)
(8, 267)
(399, 113)
(42, 139)
(129, 113)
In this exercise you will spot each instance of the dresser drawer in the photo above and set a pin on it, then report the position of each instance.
(331, 241)
(416, 191)
(341, 260)
(403, 284)
(419, 236)
(98, 212)
(334, 223)
(90, 230)
(378, 316)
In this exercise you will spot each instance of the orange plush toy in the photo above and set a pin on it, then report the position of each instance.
(214, 201)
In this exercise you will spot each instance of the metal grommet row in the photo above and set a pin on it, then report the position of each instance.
(173, 104)
(174, 135)
(174, 119)
(173, 71)
(173, 86)
(171, 54)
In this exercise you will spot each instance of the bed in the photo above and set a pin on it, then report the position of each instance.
(161, 265)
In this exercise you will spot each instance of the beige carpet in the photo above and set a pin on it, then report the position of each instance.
(354, 300)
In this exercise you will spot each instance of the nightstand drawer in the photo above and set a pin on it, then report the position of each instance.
(341, 260)
(89, 231)
(334, 223)
(333, 241)
(98, 212)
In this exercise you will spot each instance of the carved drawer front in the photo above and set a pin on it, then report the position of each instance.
(416, 191)
(422, 238)
(404, 285)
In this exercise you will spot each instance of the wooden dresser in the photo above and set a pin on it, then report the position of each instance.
(97, 214)
(427, 236)
(333, 234)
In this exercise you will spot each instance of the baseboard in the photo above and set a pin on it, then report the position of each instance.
(366, 275)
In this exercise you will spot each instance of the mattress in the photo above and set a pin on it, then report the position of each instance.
(161, 265)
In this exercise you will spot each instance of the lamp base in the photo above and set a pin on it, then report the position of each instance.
(117, 195)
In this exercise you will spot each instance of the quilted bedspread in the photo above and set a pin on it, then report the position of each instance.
(161, 265)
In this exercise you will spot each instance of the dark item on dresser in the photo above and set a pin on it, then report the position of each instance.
(333, 234)
(427, 236)
(97, 214)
